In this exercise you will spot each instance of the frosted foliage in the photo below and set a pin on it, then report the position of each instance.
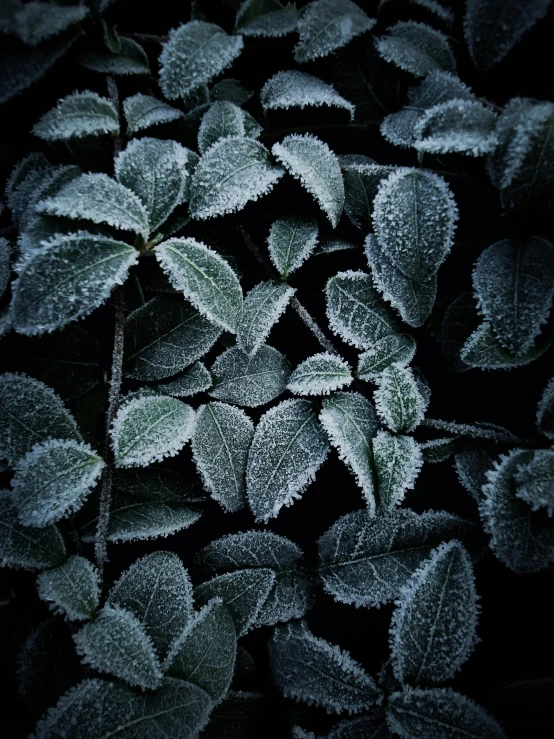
(356, 311)
(545, 411)
(369, 726)
(195, 379)
(521, 539)
(222, 120)
(313, 671)
(329, 246)
(294, 89)
(155, 171)
(233, 172)
(158, 591)
(432, 6)
(249, 381)
(266, 18)
(204, 278)
(37, 21)
(320, 375)
(205, 651)
(243, 592)
(361, 181)
(413, 299)
(149, 428)
(263, 306)
(176, 708)
(53, 480)
(365, 560)
(461, 126)
(441, 713)
(220, 448)
(327, 25)
(116, 643)
(311, 161)
(4, 265)
(416, 48)
(131, 59)
(393, 349)
(514, 286)
(51, 182)
(471, 466)
(535, 481)
(483, 350)
(97, 198)
(287, 449)
(414, 217)
(157, 482)
(291, 241)
(164, 336)
(25, 177)
(143, 111)
(494, 27)
(194, 54)
(77, 115)
(398, 460)
(350, 422)
(72, 589)
(30, 412)
(22, 546)
(398, 399)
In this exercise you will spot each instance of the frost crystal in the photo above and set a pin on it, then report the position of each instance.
(263, 306)
(266, 18)
(393, 349)
(77, 115)
(482, 349)
(72, 589)
(462, 126)
(290, 242)
(398, 460)
(143, 111)
(535, 481)
(293, 89)
(195, 379)
(416, 48)
(131, 59)
(320, 375)
(398, 399)
(545, 411)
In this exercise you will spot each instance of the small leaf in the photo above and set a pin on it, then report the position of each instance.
(53, 480)
(459, 126)
(293, 89)
(267, 18)
(131, 59)
(311, 161)
(545, 411)
(287, 449)
(362, 177)
(205, 279)
(483, 350)
(290, 242)
(392, 349)
(143, 111)
(72, 589)
(472, 466)
(77, 115)
(149, 428)
(398, 460)
(535, 481)
(263, 306)
(195, 379)
(398, 399)
(222, 120)
(320, 374)
(416, 48)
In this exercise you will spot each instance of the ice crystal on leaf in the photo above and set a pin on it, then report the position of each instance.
(130, 59)
(398, 399)
(222, 120)
(77, 115)
(268, 18)
(263, 306)
(482, 349)
(291, 241)
(545, 411)
(195, 379)
(535, 481)
(294, 89)
(416, 48)
(462, 126)
(143, 111)
(392, 349)
(320, 374)
(397, 460)
(72, 588)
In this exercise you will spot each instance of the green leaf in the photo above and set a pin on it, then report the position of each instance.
(545, 411)
(77, 115)
(398, 460)
(195, 379)
(392, 349)
(483, 350)
(37, 21)
(294, 89)
(290, 242)
(222, 120)
(471, 467)
(143, 111)
(362, 177)
(416, 48)
(398, 399)
(320, 374)
(535, 481)
(266, 18)
(71, 589)
(158, 482)
(456, 126)
(263, 306)
(130, 59)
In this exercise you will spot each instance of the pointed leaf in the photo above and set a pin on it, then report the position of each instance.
(72, 589)
(195, 379)
(263, 307)
(472, 466)
(221, 120)
(459, 126)
(293, 89)
(290, 242)
(397, 460)
(77, 115)
(143, 111)
(267, 18)
(535, 481)
(483, 350)
(416, 48)
(320, 375)
(545, 411)
(393, 349)
(130, 59)
(398, 399)
(362, 177)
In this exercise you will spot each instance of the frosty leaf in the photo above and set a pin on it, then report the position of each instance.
(311, 670)
(483, 350)
(23, 546)
(266, 18)
(195, 379)
(71, 276)
(231, 90)
(319, 375)
(311, 161)
(98, 198)
(416, 48)
(52, 181)
(131, 59)
(263, 307)
(355, 310)
(77, 115)
(369, 726)
(220, 448)
(462, 126)
(361, 181)
(471, 466)
(30, 412)
(158, 591)
(24, 178)
(176, 708)
(398, 399)
(158, 482)
(514, 286)
(116, 643)
(397, 460)
(439, 450)
(493, 27)
(329, 246)
(392, 349)
(243, 592)
(350, 422)
(221, 120)
(440, 713)
(53, 480)
(545, 411)
(290, 242)
(5, 253)
(143, 111)
(205, 279)
(287, 449)
(365, 560)
(432, 6)
(37, 21)
(477, 430)
(204, 652)
(233, 172)
(72, 589)
(535, 481)
(155, 171)
(414, 216)
(413, 299)
(194, 54)
(164, 336)
(327, 25)
(149, 428)
(293, 89)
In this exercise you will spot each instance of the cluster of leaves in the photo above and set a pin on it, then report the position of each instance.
(191, 362)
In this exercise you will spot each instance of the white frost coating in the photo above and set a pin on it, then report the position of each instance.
(263, 306)
(195, 53)
(461, 126)
(440, 11)
(233, 172)
(147, 429)
(71, 589)
(545, 410)
(482, 349)
(311, 161)
(398, 399)
(77, 115)
(395, 348)
(5, 253)
(416, 48)
(205, 279)
(291, 241)
(249, 549)
(398, 460)
(320, 374)
(327, 25)
(222, 120)
(266, 18)
(143, 111)
(535, 481)
(195, 379)
(294, 89)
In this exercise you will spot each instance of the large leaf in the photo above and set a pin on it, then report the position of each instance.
(416, 48)
(482, 349)
(290, 242)
(266, 18)
(391, 349)
(78, 115)
(37, 21)
(398, 399)
(320, 374)
(222, 120)
(535, 481)
(456, 126)
(293, 89)
(143, 111)
(195, 379)
(71, 589)
(397, 460)
(263, 307)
